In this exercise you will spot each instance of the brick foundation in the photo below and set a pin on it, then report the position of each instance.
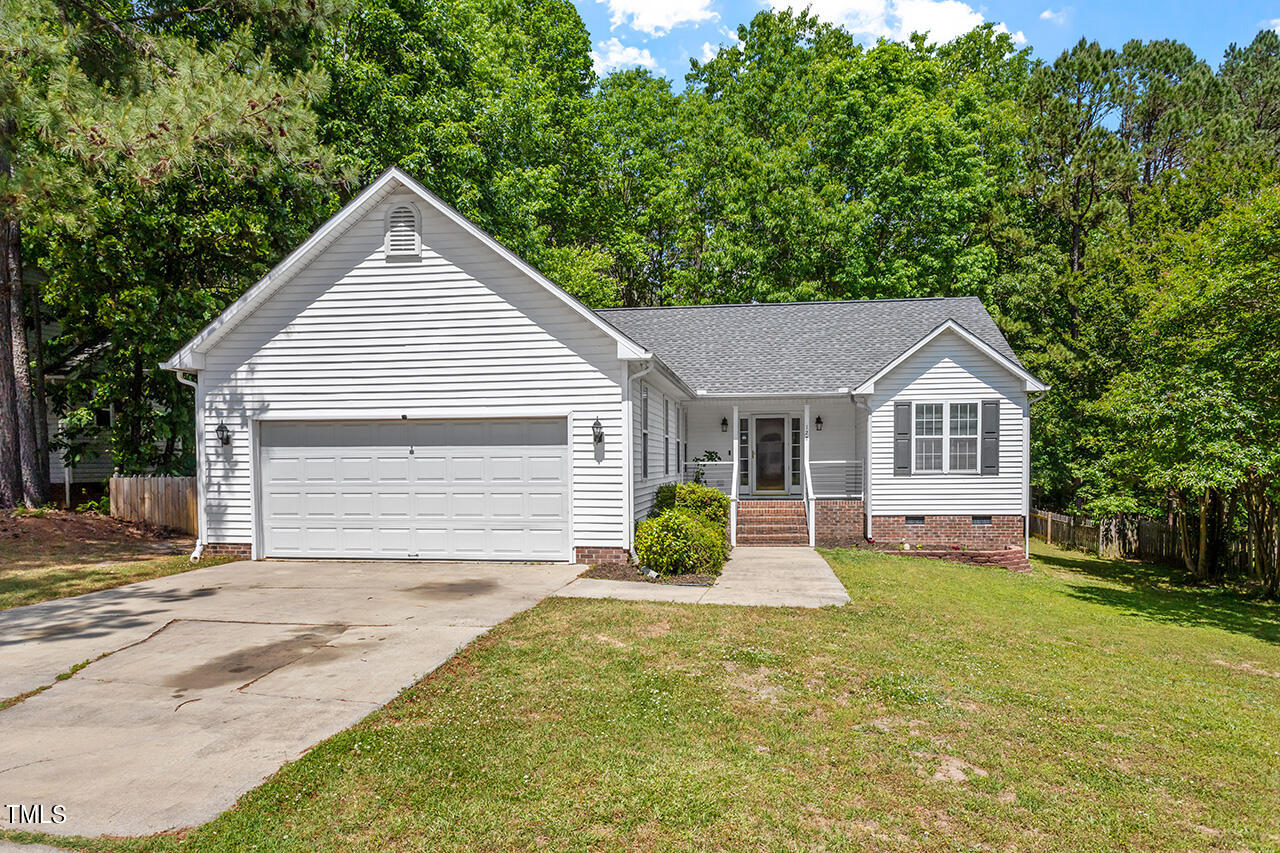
(839, 524)
(228, 549)
(594, 555)
(945, 531)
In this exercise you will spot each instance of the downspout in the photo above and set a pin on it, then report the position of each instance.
(628, 432)
(199, 427)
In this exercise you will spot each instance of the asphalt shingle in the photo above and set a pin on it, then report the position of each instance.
(794, 347)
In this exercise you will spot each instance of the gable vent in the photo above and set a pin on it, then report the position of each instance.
(402, 233)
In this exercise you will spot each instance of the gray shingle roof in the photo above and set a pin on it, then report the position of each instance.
(794, 347)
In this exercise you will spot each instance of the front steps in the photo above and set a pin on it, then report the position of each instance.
(772, 522)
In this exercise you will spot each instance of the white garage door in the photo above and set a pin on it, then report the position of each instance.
(491, 489)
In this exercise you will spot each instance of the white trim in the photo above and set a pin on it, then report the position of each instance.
(867, 472)
(628, 462)
(190, 356)
(737, 475)
(256, 540)
(1030, 383)
(435, 413)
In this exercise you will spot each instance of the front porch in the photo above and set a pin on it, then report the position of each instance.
(793, 467)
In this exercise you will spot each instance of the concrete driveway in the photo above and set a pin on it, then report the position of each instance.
(213, 679)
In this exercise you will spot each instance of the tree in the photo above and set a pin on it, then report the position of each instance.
(96, 97)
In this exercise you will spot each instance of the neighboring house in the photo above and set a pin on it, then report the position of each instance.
(87, 478)
(402, 386)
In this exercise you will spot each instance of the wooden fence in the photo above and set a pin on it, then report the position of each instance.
(1132, 536)
(161, 501)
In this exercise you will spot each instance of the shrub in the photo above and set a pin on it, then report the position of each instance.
(704, 501)
(663, 499)
(676, 542)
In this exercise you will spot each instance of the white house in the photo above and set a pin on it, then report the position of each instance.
(402, 386)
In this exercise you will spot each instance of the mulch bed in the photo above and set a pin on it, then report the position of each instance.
(624, 572)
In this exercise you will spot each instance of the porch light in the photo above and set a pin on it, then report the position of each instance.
(818, 423)
(224, 434)
(724, 424)
(597, 432)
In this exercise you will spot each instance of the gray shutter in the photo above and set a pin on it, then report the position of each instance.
(990, 437)
(902, 439)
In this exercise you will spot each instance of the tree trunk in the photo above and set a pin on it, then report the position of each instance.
(35, 299)
(1202, 554)
(28, 457)
(1184, 537)
(10, 474)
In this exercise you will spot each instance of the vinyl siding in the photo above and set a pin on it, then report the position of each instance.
(949, 369)
(459, 333)
(645, 487)
(96, 467)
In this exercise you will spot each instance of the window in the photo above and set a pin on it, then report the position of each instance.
(744, 452)
(679, 436)
(666, 438)
(945, 438)
(928, 436)
(964, 437)
(914, 520)
(644, 431)
(795, 451)
(402, 233)
(982, 521)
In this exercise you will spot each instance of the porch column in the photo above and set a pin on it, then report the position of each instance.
(807, 480)
(733, 473)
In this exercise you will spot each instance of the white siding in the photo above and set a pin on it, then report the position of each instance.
(460, 333)
(948, 369)
(95, 467)
(645, 487)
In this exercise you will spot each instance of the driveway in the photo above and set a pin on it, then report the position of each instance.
(202, 684)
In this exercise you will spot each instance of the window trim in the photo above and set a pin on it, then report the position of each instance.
(644, 431)
(946, 438)
(666, 436)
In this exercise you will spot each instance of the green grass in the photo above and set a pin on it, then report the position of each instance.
(57, 578)
(1083, 707)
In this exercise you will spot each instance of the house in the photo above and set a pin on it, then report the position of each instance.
(402, 386)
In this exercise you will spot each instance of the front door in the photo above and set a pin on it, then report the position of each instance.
(771, 454)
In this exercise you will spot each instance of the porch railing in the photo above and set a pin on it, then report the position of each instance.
(717, 475)
(836, 478)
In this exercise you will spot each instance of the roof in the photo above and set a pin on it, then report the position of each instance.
(191, 357)
(801, 347)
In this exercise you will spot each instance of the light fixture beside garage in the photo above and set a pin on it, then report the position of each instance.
(724, 424)
(818, 423)
(597, 432)
(224, 434)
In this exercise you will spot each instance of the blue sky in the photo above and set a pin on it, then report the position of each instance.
(663, 34)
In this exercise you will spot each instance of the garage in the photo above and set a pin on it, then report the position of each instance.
(438, 490)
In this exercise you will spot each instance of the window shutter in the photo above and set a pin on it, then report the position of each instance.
(990, 437)
(402, 232)
(902, 439)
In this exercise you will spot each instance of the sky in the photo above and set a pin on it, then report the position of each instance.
(662, 35)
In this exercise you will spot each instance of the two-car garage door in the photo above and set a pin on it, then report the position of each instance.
(490, 489)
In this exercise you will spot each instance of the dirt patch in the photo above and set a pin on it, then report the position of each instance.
(948, 768)
(1244, 666)
(756, 683)
(247, 664)
(623, 572)
(82, 537)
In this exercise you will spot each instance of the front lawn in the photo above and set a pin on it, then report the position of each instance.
(947, 707)
(55, 554)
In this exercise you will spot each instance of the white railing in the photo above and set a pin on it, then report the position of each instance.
(836, 478)
(717, 475)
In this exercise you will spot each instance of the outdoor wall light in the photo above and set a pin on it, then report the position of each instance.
(818, 423)
(224, 434)
(597, 432)
(724, 424)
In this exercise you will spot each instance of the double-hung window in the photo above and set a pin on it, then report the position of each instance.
(666, 437)
(945, 438)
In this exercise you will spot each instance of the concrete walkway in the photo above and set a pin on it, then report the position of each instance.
(753, 577)
(213, 679)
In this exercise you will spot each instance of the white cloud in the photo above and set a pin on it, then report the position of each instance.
(1019, 38)
(1273, 24)
(1058, 18)
(943, 20)
(612, 54)
(709, 52)
(658, 17)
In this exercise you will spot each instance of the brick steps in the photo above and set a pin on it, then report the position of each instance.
(776, 523)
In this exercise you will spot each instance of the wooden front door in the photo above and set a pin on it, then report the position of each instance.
(771, 454)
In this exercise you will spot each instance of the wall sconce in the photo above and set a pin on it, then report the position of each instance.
(597, 432)
(224, 434)
(818, 423)
(724, 424)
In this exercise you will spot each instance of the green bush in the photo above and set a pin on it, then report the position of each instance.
(704, 501)
(676, 542)
(663, 499)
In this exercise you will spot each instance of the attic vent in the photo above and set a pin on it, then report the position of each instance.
(402, 233)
